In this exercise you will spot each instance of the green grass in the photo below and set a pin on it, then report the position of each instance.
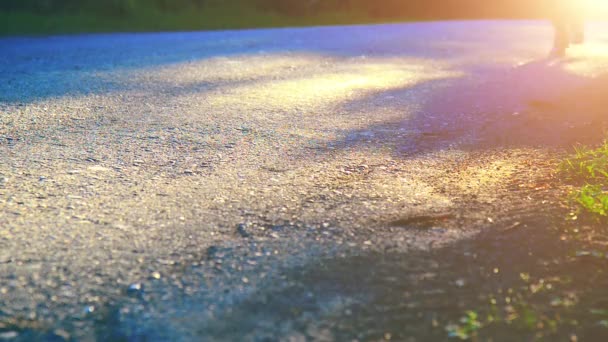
(468, 327)
(210, 18)
(594, 199)
(589, 167)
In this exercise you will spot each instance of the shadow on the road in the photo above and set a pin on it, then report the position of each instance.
(419, 294)
(523, 273)
(539, 104)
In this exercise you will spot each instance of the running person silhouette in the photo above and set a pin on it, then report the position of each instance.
(568, 25)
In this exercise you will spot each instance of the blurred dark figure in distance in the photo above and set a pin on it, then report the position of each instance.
(569, 25)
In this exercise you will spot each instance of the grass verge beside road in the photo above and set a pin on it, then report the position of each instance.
(554, 272)
(588, 168)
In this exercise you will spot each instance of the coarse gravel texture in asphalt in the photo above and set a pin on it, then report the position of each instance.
(189, 186)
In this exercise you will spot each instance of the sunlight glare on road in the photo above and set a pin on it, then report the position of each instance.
(591, 58)
(349, 81)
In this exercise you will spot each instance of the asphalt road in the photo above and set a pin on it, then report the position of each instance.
(179, 185)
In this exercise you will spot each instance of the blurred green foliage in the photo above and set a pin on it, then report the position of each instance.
(379, 8)
(114, 7)
(65, 16)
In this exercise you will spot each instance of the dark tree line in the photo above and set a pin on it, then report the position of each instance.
(103, 6)
(418, 9)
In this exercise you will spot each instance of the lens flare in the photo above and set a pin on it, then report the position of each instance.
(595, 8)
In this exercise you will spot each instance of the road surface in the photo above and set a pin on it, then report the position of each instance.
(266, 184)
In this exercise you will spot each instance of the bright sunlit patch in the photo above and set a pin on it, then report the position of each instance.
(589, 59)
(320, 98)
(350, 81)
(594, 8)
(595, 4)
